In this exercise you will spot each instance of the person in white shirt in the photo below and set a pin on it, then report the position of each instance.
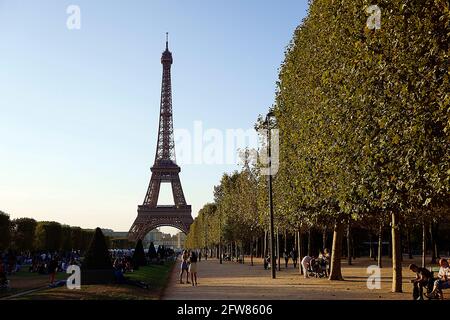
(443, 281)
(306, 261)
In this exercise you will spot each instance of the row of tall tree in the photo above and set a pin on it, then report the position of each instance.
(26, 234)
(364, 130)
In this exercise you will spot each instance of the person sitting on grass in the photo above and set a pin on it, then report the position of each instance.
(121, 279)
(424, 279)
(3, 278)
(443, 281)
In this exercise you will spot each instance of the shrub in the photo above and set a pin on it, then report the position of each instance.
(97, 256)
(139, 256)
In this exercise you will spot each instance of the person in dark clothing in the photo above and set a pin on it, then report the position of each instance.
(424, 279)
(294, 256)
(286, 258)
(3, 278)
(266, 263)
(52, 269)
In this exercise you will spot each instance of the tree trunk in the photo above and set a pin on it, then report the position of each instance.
(285, 241)
(278, 250)
(424, 244)
(349, 245)
(390, 245)
(380, 246)
(396, 252)
(336, 252)
(265, 244)
(436, 240)
(231, 250)
(295, 240)
(371, 255)
(309, 243)
(251, 251)
(433, 244)
(400, 236)
(408, 244)
(299, 249)
(324, 239)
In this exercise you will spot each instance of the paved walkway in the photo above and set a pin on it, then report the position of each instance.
(242, 281)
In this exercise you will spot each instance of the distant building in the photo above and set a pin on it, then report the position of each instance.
(115, 235)
(181, 239)
(164, 239)
(156, 236)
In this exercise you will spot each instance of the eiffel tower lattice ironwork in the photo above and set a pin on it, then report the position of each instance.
(165, 169)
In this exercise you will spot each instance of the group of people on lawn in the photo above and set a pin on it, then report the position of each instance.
(45, 263)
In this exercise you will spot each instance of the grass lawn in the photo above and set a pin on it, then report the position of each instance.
(24, 281)
(156, 276)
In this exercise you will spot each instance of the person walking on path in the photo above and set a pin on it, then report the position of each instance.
(294, 256)
(286, 258)
(52, 269)
(306, 261)
(184, 266)
(193, 268)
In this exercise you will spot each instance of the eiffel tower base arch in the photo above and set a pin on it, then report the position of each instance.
(168, 216)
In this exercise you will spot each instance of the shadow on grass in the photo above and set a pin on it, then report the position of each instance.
(155, 275)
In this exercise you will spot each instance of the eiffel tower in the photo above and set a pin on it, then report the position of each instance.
(165, 169)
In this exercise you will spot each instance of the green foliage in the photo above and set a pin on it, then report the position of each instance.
(5, 233)
(77, 238)
(97, 256)
(48, 236)
(364, 124)
(66, 238)
(23, 231)
(234, 215)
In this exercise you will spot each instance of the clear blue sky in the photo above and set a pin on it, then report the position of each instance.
(79, 109)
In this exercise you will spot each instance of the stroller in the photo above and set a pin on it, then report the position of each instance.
(317, 268)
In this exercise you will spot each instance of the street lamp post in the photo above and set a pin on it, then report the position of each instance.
(220, 237)
(272, 251)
